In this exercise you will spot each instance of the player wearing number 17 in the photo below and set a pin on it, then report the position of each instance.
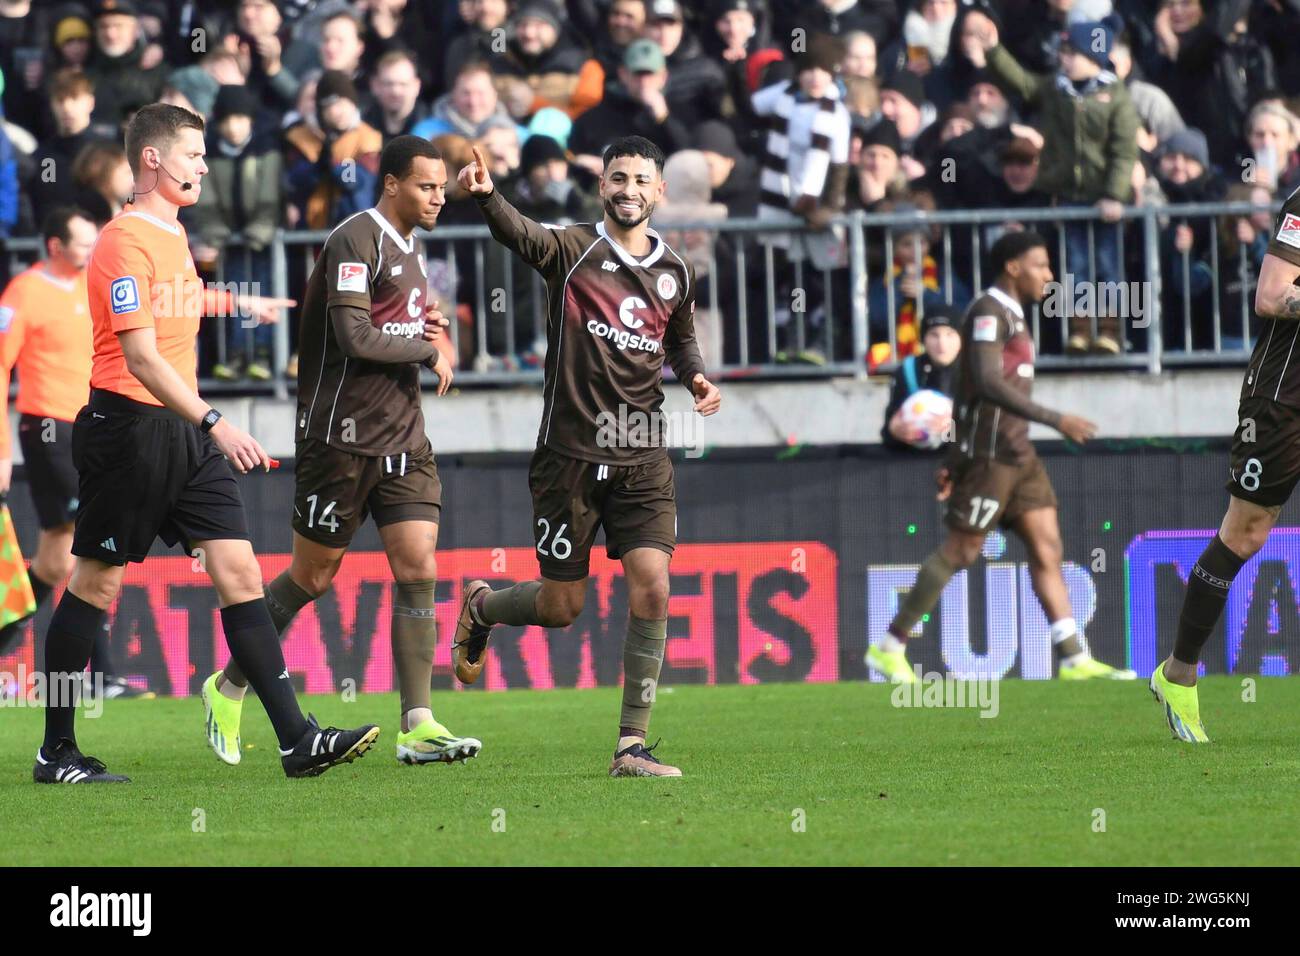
(993, 477)
(619, 301)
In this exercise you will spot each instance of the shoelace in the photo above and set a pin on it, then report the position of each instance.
(646, 751)
(93, 764)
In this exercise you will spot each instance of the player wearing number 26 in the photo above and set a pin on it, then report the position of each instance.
(993, 478)
(620, 303)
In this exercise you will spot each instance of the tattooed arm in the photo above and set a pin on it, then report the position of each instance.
(1277, 296)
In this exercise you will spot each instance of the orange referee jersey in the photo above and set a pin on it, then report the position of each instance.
(141, 275)
(45, 331)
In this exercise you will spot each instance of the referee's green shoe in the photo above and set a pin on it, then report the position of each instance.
(1182, 707)
(222, 721)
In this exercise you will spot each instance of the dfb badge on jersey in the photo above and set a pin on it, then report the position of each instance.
(1289, 233)
(124, 295)
(352, 277)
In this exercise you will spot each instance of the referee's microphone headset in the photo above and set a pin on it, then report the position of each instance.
(185, 184)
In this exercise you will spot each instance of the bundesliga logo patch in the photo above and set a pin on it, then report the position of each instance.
(352, 277)
(1289, 233)
(124, 295)
(986, 328)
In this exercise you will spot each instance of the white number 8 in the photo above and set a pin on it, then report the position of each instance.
(1250, 477)
(556, 542)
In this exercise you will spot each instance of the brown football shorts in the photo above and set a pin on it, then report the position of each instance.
(572, 498)
(987, 493)
(334, 490)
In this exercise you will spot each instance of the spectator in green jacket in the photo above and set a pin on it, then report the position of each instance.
(240, 197)
(1089, 129)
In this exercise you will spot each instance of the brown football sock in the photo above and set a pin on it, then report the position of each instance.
(284, 599)
(515, 605)
(933, 577)
(414, 637)
(643, 658)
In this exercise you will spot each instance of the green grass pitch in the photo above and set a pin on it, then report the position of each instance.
(876, 784)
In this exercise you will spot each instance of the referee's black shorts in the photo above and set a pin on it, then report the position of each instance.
(51, 475)
(146, 473)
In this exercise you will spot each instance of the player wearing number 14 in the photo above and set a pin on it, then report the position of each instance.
(993, 477)
(362, 448)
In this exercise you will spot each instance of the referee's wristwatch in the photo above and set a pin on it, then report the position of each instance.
(211, 418)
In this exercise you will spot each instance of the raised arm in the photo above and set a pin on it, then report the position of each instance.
(533, 242)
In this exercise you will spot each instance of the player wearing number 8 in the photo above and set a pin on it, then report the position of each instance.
(362, 449)
(993, 477)
(1263, 469)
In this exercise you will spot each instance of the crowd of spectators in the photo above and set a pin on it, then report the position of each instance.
(766, 108)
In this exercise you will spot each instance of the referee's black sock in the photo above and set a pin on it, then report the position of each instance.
(284, 599)
(251, 637)
(67, 651)
(1207, 592)
(101, 654)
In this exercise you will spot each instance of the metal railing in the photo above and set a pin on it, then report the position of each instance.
(763, 311)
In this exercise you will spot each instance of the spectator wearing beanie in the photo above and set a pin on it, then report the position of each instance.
(737, 37)
(241, 196)
(933, 369)
(1185, 174)
(697, 88)
(733, 176)
(1089, 130)
(805, 172)
(636, 106)
(543, 67)
(808, 140)
(877, 177)
(117, 68)
(71, 41)
(333, 173)
(902, 102)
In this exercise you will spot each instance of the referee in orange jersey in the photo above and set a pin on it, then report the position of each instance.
(45, 333)
(154, 460)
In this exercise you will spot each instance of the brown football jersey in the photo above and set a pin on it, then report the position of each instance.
(364, 406)
(995, 376)
(612, 319)
(1274, 370)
